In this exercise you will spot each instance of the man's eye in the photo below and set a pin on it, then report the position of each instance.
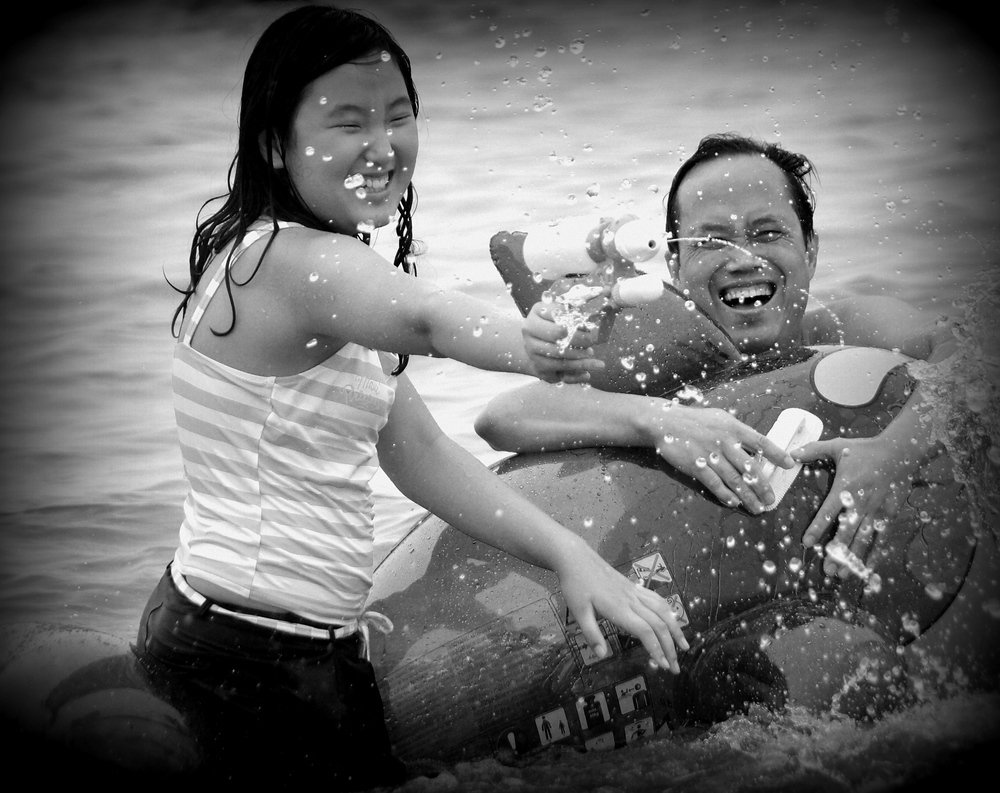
(768, 235)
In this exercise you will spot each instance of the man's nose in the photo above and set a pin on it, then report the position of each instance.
(739, 258)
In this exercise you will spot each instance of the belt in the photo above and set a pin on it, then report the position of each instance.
(362, 625)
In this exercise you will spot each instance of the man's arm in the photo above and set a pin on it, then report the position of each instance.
(872, 474)
(883, 322)
(707, 444)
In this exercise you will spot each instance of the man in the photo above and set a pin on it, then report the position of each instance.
(741, 211)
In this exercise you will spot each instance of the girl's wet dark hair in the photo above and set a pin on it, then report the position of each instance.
(293, 51)
(796, 167)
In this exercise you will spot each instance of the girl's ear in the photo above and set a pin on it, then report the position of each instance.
(275, 150)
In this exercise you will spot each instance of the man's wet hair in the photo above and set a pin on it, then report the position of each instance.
(797, 169)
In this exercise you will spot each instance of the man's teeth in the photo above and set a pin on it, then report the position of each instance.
(758, 294)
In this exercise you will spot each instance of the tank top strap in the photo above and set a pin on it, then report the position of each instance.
(254, 233)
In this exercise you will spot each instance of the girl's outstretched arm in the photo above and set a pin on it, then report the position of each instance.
(335, 288)
(438, 474)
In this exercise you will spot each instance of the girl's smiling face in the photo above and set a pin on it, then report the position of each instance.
(752, 275)
(352, 146)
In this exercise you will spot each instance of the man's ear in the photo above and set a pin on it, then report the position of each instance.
(812, 254)
(275, 150)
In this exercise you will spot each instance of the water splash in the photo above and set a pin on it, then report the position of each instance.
(574, 309)
(962, 405)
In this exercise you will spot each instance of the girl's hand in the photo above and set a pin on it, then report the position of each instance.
(592, 587)
(573, 365)
(717, 449)
(870, 484)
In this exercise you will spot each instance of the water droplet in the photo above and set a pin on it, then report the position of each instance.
(628, 362)
(311, 343)
(310, 151)
(385, 56)
(769, 567)
(354, 181)
(313, 277)
(730, 541)
(846, 499)
(714, 458)
(701, 462)
(576, 46)
(794, 564)
(500, 42)
(588, 522)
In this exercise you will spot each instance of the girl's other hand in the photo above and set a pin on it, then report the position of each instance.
(551, 364)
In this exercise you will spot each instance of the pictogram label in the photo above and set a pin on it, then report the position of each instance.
(552, 726)
(593, 710)
(651, 570)
(632, 694)
(638, 730)
(677, 606)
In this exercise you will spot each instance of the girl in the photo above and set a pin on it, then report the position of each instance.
(285, 407)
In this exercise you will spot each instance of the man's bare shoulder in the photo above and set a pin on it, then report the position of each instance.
(875, 320)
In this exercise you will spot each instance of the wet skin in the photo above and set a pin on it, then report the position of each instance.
(757, 286)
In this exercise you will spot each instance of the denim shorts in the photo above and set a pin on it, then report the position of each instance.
(265, 706)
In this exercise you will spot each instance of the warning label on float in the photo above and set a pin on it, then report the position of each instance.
(651, 570)
(552, 726)
(638, 730)
(677, 606)
(593, 710)
(632, 694)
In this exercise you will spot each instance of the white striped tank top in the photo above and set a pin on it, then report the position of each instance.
(279, 506)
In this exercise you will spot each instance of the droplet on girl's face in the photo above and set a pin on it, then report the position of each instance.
(311, 343)
(385, 57)
(310, 151)
(313, 277)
